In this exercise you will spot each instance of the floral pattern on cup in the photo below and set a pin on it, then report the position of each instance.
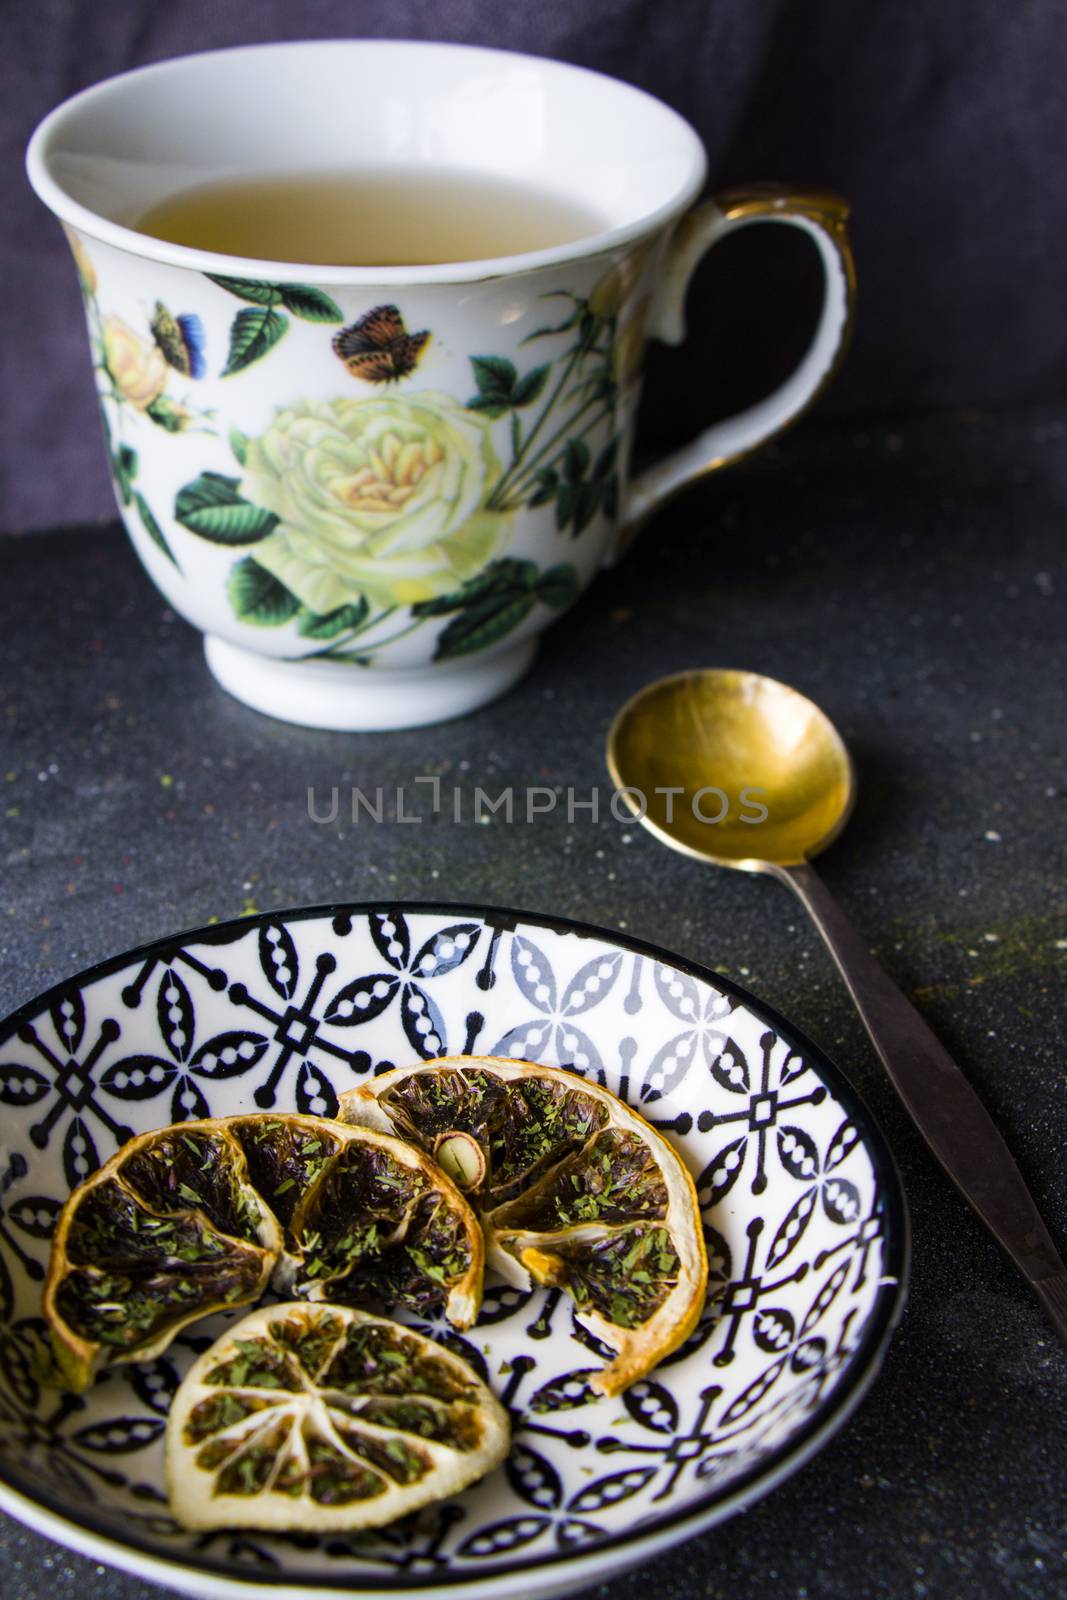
(372, 513)
(136, 367)
(381, 499)
(134, 371)
(360, 508)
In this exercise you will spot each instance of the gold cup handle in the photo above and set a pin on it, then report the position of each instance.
(823, 216)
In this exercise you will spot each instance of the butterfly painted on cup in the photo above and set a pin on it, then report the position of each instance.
(378, 348)
(181, 340)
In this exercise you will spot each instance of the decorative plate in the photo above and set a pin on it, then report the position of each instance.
(805, 1223)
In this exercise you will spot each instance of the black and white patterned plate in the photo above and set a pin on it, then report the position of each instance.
(802, 1206)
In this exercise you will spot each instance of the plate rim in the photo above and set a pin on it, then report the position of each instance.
(52, 1515)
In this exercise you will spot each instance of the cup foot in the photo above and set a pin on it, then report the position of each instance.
(349, 699)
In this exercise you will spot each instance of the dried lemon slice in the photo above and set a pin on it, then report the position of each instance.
(167, 1231)
(199, 1217)
(325, 1418)
(573, 1189)
(368, 1220)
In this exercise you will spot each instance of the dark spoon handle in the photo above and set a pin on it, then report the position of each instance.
(942, 1104)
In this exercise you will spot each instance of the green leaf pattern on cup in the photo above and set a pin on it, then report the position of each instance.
(151, 526)
(492, 604)
(212, 507)
(257, 328)
(257, 596)
(500, 388)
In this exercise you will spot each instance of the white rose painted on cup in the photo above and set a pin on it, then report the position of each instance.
(381, 499)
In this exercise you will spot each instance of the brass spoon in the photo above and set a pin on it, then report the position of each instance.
(701, 744)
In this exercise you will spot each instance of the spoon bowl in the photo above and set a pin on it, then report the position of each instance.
(742, 771)
(733, 767)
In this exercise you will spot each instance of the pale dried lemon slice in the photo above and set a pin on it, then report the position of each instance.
(200, 1216)
(573, 1189)
(322, 1418)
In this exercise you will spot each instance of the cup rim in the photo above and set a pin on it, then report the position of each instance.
(83, 219)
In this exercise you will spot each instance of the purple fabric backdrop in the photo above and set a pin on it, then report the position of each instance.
(944, 122)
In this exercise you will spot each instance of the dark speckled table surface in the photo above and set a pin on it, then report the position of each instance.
(911, 579)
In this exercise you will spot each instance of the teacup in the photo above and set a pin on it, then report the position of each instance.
(497, 447)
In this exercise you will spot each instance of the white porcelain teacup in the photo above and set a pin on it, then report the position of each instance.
(241, 444)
